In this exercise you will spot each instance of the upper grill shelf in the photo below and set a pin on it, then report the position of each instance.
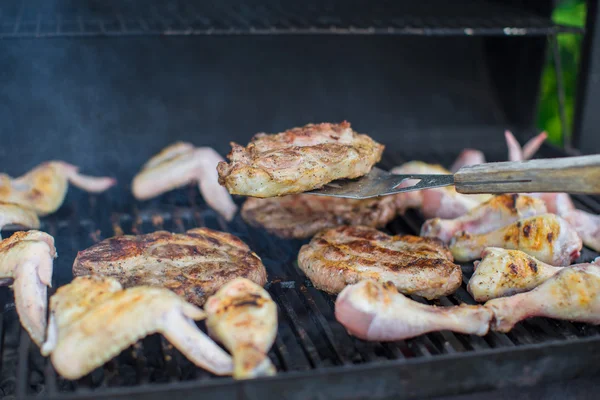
(35, 18)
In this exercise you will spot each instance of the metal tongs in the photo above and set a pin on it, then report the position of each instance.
(571, 175)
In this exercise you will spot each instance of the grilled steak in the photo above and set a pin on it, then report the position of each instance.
(346, 255)
(298, 160)
(301, 216)
(194, 264)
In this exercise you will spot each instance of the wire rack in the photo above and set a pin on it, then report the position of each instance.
(36, 18)
(313, 353)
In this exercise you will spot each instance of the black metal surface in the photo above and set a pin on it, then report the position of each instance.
(31, 19)
(315, 357)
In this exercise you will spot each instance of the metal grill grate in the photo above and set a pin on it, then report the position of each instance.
(314, 355)
(35, 18)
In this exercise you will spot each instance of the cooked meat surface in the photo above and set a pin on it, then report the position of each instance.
(376, 311)
(493, 214)
(572, 294)
(13, 214)
(346, 255)
(298, 160)
(194, 264)
(26, 262)
(301, 216)
(176, 166)
(92, 320)
(546, 237)
(43, 189)
(504, 272)
(243, 317)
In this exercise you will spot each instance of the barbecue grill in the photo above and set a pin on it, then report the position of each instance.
(104, 85)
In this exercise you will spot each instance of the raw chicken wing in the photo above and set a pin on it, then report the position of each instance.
(26, 261)
(243, 317)
(547, 237)
(298, 160)
(499, 211)
(13, 214)
(179, 164)
(43, 189)
(504, 272)
(92, 321)
(468, 157)
(572, 294)
(376, 311)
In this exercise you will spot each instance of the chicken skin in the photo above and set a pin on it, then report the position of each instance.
(43, 189)
(178, 165)
(468, 157)
(13, 214)
(376, 311)
(26, 260)
(497, 212)
(572, 294)
(243, 317)
(504, 272)
(546, 237)
(92, 320)
(298, 160)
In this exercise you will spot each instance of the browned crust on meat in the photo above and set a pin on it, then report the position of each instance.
(346, 255)
(301, 216)
(194, 264)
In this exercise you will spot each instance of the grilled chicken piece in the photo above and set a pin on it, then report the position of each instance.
(243, 317)
(26, 261)
(178, 165)
(499, 211)
(13, 214)
(301, 216)
(468, 157)
(43, 189)
(194, 264)
(546, 237)
(298, 160)
(504, 272)
(346, 255)
(376, 311)
(92, 320)
(443, 202)
(572, 294)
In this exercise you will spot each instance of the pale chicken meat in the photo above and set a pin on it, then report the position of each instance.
(301, 216)
(43, 189)
(572, 294)
(468, 157)
(342, 256)
(546, 237)
(502, 273)
(15, 215)
(298, 160)
(243, 317)
(178, 165)
(92, 320)
(495, 213)
(194, 264)
(444, 202)
(26, 262)
(375, 311)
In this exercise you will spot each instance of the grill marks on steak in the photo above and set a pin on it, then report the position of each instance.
(194, 264)
(346, 255)
(302, 216)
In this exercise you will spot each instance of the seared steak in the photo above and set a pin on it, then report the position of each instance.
(301, 216)
(194, 264)
(346, 255)
(298, 160)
